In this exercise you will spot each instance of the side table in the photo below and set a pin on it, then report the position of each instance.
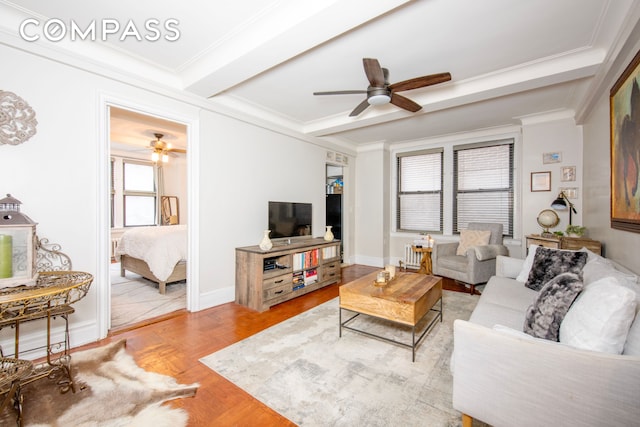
(564, 242)
(425, 262)
(50, 297)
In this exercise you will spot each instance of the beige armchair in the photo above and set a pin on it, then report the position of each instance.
(477, 265)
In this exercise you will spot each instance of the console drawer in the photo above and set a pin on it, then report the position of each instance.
(331, 271)
(277, 291)
(273, 282)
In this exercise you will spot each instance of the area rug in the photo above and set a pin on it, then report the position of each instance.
(302, 369)
(111, 391)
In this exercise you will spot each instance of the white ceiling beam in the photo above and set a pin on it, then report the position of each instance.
(256, 50)
(561, 69)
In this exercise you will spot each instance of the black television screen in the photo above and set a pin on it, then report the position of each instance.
(289, 219)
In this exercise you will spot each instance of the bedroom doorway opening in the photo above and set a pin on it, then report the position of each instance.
(148, 199)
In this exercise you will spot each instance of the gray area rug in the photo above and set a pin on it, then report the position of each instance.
(135, 299)
(303, 370)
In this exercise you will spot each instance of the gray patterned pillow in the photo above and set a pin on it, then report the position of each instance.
(544, 316)
(548, 263)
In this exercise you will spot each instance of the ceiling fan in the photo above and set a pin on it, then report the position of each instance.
(162, 149)
(381, 92)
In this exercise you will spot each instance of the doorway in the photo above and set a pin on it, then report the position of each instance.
(334, 202)
(148, 165)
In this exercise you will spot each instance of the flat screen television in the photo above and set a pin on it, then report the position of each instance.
(290, 220)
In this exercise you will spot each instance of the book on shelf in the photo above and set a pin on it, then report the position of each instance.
(310, 276)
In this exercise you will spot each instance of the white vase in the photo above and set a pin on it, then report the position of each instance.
(266, 244)
(328, 236)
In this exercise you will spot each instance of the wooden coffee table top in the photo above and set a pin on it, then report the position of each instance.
(405, 299)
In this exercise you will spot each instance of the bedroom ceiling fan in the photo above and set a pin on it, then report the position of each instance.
(162, 149)
(381, 92)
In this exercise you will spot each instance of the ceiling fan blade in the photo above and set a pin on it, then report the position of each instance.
(360, 108)
(419, 82)
(406, 103)
(374, 72)
(177, 150)
(341, 92)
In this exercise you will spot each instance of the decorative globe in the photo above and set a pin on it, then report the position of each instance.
(548, 218)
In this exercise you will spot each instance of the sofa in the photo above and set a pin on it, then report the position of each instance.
(589, 375)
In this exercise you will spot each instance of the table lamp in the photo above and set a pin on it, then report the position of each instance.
(562, 202)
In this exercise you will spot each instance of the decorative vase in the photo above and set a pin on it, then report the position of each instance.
(266, 244)
(328, 236)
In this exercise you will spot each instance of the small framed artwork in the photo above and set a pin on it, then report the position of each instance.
(555, 157)
(568, 173)
(570, 192)
(541, 181)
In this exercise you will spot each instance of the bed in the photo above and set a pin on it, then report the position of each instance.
(156, 253)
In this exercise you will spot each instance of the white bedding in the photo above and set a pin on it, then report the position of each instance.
(160, 247)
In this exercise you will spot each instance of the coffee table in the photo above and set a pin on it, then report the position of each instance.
(406, 300)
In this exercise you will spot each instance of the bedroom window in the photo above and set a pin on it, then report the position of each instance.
(483, 184)
(139, 193)
(419, 204)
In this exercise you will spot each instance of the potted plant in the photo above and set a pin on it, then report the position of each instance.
(575, 230)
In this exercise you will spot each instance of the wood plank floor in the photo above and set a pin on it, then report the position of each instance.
(174, 345)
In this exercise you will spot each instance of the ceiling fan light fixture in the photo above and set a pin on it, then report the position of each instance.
(155, 156)
(379, 99)
(165, 158)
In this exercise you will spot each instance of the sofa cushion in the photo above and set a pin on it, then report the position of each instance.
(544, 316)
(548, 263)
(488, 314)
(470, 238)
(508, 293)
(600, 318)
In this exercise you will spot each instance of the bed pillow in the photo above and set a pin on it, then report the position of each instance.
(470, 238)
(600, 318)
(548, 263)
(544, 317)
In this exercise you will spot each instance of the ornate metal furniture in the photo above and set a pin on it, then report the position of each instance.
(56, 288)
(12, 373)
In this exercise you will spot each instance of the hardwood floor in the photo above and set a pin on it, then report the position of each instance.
(174, 345)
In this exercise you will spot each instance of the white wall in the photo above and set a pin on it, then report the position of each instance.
(242, 168)
(371, 206)
(539, 137)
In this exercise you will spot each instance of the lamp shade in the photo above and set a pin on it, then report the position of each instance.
(559, 203)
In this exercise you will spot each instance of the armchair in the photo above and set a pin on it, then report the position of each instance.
(477, 265)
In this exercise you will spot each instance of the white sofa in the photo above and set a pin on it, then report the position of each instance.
(504, 377)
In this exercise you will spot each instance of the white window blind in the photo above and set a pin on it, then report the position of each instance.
(483, 185)
(419, 204)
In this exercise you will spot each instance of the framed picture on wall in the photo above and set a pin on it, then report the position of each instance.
(568, 173)
(624, 103)
(570, 192)
(541, 181)
(555, 157)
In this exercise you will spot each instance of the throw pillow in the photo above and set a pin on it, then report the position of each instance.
(548, 263)
(526, 266)
(600, 318)
(544, 316)
(470, 238)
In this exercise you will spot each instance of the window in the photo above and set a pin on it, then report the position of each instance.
(139, 207)
(483, 185)
(419, 204)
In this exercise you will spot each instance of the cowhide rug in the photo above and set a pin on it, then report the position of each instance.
(111, 390)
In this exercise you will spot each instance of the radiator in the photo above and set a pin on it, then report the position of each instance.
(411, 258)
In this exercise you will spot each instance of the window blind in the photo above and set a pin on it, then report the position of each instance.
(483, 185)
(419, 203)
